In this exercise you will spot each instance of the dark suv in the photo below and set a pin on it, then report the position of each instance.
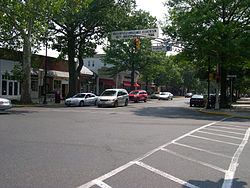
(138, 95)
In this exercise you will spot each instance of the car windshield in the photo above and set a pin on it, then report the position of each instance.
(156, 93)
(134, 92)
(163, 93)
(79, 95)
(109, 93)
(197, 96)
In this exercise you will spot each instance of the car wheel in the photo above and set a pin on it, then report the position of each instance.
(126, 102)
(99, 105)
(191, 105)
(137, 99)
(81, 103)
(145, 100)
(116, 104)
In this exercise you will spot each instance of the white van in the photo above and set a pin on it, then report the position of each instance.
(113, 97)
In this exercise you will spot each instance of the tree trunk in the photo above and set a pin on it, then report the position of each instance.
(25, 85)
(72, 66)
(146, 88)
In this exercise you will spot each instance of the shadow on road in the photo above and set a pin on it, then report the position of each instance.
(11, 112)
(178, 112)
(208, 183)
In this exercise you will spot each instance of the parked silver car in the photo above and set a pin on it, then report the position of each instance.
(165, 96)
(5, 104)
(113, 97)
(155, 95)
(82, 99)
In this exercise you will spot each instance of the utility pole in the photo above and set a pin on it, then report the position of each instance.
(217, 105)
(45, 73)
(208, 84)
(137, 48)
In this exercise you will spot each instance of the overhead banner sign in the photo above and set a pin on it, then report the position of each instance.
(161, 48)
(145, 33)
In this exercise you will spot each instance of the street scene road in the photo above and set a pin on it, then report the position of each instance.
(152, 144)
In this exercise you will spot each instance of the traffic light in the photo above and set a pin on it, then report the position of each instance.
(137, 44)
(211, 76)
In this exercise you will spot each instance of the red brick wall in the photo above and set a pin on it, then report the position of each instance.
(53, 64)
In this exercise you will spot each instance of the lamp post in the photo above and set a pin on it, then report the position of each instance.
(45, 73)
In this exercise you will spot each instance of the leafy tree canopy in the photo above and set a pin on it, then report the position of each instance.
(211, 32)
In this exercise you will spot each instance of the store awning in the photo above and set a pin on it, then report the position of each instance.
(54, 73)
(128, 84)
(86, 71)
(107, 82)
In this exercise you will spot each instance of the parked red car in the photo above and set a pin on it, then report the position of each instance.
(138, 95)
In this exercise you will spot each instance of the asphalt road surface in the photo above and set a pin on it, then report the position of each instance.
(155, 144)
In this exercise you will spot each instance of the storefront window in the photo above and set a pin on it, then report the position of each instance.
(34, 83)
(4, 87)
(15, 88)
(10, 88)
(57, 85)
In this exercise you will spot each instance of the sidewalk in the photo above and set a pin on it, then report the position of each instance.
(239, 109)
(49, 103)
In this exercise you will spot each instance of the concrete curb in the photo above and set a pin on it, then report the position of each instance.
(35, 105)
(224, 114)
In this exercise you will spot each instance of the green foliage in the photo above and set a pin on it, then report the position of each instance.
(17, 73)
(21, 24)
(18, 19)
(211, 32)
(81, 25)
(122, 53)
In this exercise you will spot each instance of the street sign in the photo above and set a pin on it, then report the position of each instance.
(146, 33)
(161, 48)
(231, 76)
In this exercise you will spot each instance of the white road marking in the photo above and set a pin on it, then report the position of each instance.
(217, 130)
(236, 126)
(213, 140)
(101, 184)
(108, 175)
(221, 127)
(164, 174)
(196, 161)
(119, 169)
(203, 150)
(177, 139)
(229, 176)
(222, 135)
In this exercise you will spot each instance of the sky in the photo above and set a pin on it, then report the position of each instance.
(155, 7)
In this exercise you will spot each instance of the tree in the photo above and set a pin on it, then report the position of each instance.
(152, 64)
(123, 54)
(80, 26)
(211, 32)
(21, 25)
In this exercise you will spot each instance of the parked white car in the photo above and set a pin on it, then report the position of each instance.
(113, 97)
(155, 95)
(82, 99)
(5, 104)
(165, 96)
